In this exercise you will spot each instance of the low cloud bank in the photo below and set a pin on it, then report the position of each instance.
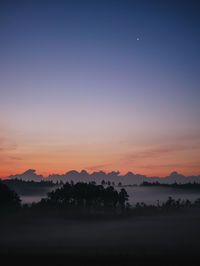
(128, 179)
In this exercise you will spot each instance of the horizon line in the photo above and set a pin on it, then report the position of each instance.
(118, 173)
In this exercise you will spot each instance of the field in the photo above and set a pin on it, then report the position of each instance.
(167, 238)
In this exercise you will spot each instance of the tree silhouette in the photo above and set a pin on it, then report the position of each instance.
(123, 197)
(103, 182)
(86, 196)
(8, 197)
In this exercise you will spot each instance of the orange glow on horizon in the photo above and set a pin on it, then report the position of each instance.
(149, 157)
(149, 173)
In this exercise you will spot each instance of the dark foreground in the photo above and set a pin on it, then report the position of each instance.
(113, 260)
(169, 238)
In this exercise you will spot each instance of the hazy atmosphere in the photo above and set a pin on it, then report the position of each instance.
(100, 85)
(99, 132)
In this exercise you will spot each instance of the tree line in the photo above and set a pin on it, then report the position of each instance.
(83, 195)
(193, 185)
(86, 195)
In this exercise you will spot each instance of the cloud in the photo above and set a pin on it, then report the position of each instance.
(28, 176)
(6, 145)
(97, 167)
(8, 151)
(193, 136)
(2, 143)
(184, 138)
(127, 179)
(171, 165)
(15, 158)
(158, 152)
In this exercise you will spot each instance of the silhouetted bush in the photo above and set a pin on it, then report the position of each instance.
(172, 203)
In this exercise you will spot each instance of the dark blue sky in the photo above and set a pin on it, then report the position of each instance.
(102, 73)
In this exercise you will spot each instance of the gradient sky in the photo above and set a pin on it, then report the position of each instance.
(78, 90)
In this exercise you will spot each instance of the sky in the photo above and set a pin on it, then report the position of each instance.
(100, 85)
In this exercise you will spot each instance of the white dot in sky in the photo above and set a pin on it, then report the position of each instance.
(137, 39)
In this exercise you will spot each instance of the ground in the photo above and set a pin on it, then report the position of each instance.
(170, 236)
